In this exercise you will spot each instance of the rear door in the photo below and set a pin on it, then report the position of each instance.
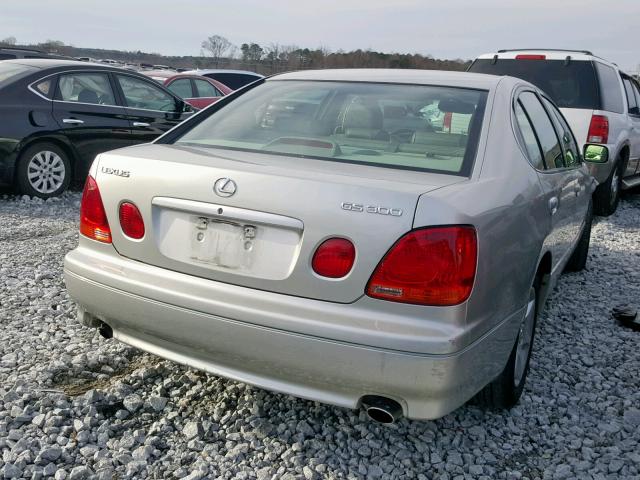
(560, 188)
(150, 109)
(206, 93)
(633, 102)
(87, 111)
(574, 168)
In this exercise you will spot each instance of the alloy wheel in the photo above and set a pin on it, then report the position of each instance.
(46, 172)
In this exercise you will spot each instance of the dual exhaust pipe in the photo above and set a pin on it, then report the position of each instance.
(381, 409)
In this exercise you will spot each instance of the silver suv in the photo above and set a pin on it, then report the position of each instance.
(600, 102)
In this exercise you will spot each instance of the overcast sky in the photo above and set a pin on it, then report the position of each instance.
(442, 28)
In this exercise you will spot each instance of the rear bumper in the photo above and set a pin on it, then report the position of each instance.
(304, 365)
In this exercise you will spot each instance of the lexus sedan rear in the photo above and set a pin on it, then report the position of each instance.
(318, 234)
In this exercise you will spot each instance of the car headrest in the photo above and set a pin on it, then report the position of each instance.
(88, 96)
(454, 105)
(361, 115)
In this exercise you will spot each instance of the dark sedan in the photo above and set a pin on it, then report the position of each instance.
(58, 115)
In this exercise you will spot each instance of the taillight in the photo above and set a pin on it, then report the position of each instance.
(93, 219)
(430, 266)
(446, 121)
(131, 221)
(598, 129)
(529, 56)
(334, 258)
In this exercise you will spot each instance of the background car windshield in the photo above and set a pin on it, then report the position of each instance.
(405, 126)
(569, 86)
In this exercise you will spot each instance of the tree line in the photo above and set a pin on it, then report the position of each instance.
(275, 58)
(218, 52)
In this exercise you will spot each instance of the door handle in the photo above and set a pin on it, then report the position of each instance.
(72, 121)
(553, 205)
(141, 124)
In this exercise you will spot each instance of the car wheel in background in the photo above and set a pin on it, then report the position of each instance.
(44, 171)
(505, 391)
(578, 259)
(607, 195)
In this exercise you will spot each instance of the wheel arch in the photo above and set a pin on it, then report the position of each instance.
(65, 146)
(543, 275)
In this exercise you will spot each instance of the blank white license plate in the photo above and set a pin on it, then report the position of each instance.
(223, 244)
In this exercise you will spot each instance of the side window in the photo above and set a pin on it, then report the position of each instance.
(636, 91)
(142, 94)
(45, 87)
(569, 145)
(544, 129)
(611, 96)
(529, 136)
(205, 89)
(93, 88)
(181, 87)
(631, 98)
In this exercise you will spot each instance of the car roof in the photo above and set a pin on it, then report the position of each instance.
(405, 76)
(43, 63)
(217, 70)
(549, 53)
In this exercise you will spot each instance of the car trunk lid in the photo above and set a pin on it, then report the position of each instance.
(262, 227)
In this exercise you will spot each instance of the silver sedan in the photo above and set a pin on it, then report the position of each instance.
(367, 238)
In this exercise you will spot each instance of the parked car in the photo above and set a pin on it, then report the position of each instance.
(58, 115)
(303, 238)
(12, 53)
(600, 102)
(234, 79)
(196, 90)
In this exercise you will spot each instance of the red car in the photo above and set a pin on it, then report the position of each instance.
(196, 90)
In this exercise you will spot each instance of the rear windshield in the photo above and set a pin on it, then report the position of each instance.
(10, 71)
(569, 86)
(234, 80)
(431, 128)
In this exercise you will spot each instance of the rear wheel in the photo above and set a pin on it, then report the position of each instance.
(505, 391)
(43, 171)
(607, 195)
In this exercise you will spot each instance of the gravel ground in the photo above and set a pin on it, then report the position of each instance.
(75, 406)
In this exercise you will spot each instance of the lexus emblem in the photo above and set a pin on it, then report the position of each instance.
(225, 187)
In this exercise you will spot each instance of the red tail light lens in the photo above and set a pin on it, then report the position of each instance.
(334, 258)
(530, 57)
(598, 129)
(446, 121)
(131, 221)
(93, 219)
(431, 266)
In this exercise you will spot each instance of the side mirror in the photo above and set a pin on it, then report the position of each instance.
(596, 154)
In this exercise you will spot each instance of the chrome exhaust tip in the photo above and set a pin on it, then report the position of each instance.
(382, 410)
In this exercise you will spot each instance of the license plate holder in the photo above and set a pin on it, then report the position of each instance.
(222, 243)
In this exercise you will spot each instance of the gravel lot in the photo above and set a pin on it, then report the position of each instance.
(75, 406)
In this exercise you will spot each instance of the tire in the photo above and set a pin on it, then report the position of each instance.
(578, 259)
(505, 391)
(44, 171)
(607, 195)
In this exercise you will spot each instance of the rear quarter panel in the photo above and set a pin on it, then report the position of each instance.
(504, 201)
